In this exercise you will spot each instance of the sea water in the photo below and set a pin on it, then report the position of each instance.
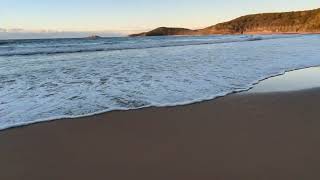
(49, 79)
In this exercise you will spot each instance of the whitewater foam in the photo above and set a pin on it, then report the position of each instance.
(45, 87)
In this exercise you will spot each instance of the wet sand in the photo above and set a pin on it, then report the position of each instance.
(238, 137)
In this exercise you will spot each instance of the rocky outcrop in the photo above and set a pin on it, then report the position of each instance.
(93, 37)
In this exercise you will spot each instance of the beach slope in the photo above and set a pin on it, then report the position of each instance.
(238, 137)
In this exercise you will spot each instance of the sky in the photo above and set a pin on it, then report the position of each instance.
(126, 16)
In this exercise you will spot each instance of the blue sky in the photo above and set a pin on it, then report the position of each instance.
(119, 15)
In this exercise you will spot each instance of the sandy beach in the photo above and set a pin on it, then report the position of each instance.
(238, 137)
(160, 90)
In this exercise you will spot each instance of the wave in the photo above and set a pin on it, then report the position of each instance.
(49, 87)
(5, 42)
(213, 97)
(51, 50)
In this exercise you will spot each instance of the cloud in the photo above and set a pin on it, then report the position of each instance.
(40, 34)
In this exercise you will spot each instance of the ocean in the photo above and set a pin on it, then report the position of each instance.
(48, 79)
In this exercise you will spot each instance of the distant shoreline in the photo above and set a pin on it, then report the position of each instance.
(247, 33)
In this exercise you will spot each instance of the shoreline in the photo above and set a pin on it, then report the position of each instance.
(241, 136)
(221, 95)
(247, 33)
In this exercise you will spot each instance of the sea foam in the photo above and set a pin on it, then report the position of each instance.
(142, 72)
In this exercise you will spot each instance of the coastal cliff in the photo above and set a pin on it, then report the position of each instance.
(266, 23)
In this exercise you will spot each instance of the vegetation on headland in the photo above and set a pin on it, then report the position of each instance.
(266, 23)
